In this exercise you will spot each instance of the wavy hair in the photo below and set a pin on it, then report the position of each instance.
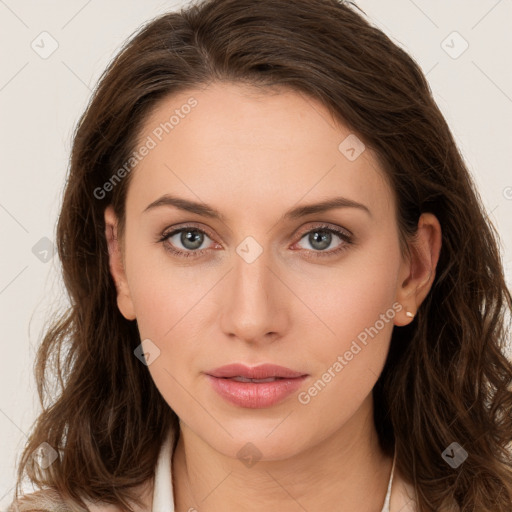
(447, 377)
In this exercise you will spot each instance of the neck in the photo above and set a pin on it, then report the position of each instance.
(347, 468)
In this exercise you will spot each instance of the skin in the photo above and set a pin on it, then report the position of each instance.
(253, 155)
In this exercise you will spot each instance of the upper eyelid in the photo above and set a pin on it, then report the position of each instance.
(173, 230)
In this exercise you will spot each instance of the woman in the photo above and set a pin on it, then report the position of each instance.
(285, 293)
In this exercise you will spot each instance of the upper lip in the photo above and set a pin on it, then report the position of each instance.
(263, 371)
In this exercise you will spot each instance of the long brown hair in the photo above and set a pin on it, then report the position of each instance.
(446, 378)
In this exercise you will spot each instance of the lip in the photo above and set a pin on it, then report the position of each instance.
(262, 371)
(255, 395)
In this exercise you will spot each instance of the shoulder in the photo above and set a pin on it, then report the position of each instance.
(49, 500)
(39, 501)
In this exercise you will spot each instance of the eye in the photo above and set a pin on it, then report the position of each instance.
(321, 237)
(191, 239)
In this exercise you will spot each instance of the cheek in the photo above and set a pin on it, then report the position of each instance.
(168, 306)
(163, 292)
(350, 355)
(173, 305)
(356, 307)
(351, 296)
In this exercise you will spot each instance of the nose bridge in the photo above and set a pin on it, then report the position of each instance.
(252, 308)
(251, 275)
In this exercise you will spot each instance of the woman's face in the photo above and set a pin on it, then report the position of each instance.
(255, 284)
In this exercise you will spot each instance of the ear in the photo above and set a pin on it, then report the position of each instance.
(418, 272)
(116, 265)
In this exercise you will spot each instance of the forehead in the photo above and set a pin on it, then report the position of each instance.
(237, 143)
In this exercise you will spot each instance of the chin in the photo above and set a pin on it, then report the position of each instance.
(259, 440)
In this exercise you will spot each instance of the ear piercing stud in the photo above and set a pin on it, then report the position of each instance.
(409, 314)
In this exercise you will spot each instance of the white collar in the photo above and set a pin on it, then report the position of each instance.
(163, 498)
(163, 495)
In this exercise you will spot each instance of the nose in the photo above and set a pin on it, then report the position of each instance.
(254, 302)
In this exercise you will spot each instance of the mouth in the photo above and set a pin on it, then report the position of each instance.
(255, 387)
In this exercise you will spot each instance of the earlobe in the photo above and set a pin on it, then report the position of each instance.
(418, 272)
(116, 265)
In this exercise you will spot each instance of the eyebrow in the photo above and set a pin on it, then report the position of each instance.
(295, 213)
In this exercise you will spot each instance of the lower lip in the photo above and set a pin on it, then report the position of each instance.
(255, 395)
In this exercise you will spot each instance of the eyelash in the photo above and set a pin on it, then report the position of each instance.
(345, 237)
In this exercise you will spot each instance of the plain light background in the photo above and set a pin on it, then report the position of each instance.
(461, 45)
